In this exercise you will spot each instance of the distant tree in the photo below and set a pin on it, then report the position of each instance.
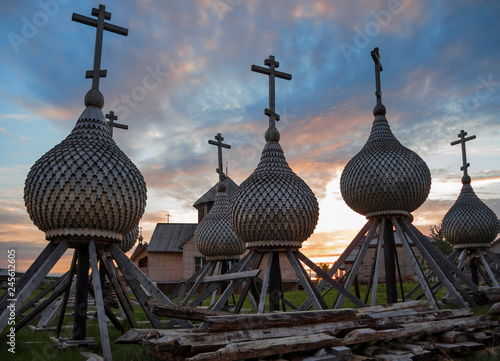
(439, 241)
(324, 267)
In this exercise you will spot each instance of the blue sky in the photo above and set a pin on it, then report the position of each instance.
(183, 74)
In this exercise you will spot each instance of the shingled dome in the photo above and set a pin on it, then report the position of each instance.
(470, 223)
(385, 177)
(214, 237)
(273, 206)
(85, 187)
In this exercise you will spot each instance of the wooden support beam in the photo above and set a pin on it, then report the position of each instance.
(389, 262)
(53, 296)
(311, 291)
(230, 289)
(101, 316)
(265, 283)
(50, 312)
(184, 312)
(27, 276)
(70, 287)
(232, 276)
(357, 263)
(31, 284)
(206, 269)
(487, 268)
(123, 299)
(43, 293)
(376, 264)
(425, 248)
(326, 277)
(191, 279)
(82, 291)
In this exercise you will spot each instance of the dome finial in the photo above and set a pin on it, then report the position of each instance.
(379, 109)
(272, 134)
(466, 178)
(221, 187)
(94, 97)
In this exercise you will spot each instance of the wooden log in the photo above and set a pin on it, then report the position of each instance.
(253, 321)
(263, 348)
(184, 312)
(449, 348)
(487, 295)
(453, 337)
(193, 343)
(138, 335)
(232, 276)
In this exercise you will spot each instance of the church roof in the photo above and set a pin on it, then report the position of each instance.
(169, 237)
(231, 188)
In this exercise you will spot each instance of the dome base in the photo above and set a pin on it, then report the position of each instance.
(274, 244)
(235, 257)
(83, 235)
(471, 245)
(387, 213)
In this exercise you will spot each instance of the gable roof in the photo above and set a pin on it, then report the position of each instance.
(137, 249)
(168, 237)
(231, 188)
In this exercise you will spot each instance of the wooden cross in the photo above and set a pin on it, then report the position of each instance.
(272, 73)
(112, 117)
(100, 26)
(462, 141)
(378, 68)
(220, 145)
(168, 217)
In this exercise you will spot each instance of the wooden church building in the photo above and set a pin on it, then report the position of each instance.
(171, 256)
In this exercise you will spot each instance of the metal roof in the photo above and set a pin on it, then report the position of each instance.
(169, 237)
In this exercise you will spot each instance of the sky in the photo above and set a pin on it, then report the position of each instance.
(182, 75)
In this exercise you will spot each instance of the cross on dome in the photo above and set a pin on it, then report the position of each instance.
(112, 117)
(272, 73)
(378, 68)
(220, 145)
(100, 26)
(462, 140)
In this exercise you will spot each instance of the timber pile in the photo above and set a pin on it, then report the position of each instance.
(401, 331)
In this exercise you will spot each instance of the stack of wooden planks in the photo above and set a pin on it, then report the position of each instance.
(401, 331)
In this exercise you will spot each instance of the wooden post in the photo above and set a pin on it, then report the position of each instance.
(82, 291)
(70, 287)
(101, 316)
(390, 265)
(51, 311)
(376, 263)
(42, 294)
(275, 289)
(265, 284)
(487, 268)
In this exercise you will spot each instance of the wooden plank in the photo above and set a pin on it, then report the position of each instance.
(81, 293)
(181, 291)
(184, 312)
(138, 335)
(232, 276)
(187, 344)
(101, 316)
(31, 284)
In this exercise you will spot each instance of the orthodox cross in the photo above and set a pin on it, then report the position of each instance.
(100, 26)
(378, 68)
(112, 117)
(168, 217)
(272, 73)
(462, 141)
(220, 145)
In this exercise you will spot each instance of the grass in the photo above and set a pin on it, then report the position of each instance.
(37, 346)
